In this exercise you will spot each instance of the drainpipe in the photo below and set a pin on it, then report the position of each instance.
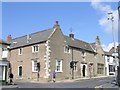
(73, 67)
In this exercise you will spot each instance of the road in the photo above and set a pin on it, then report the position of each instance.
(92, 83)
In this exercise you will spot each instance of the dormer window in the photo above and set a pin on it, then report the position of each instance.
(67, 49)
(35, 48)
(28, 38)
(14, 43)
(20, 50)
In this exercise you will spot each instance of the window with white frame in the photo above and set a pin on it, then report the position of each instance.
(58, 65)
(67, 49)
(20, 50)
(34, 66)
(75, 66)
(35, 48)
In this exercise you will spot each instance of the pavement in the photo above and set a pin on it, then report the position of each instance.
(105, 85)
(80, 79)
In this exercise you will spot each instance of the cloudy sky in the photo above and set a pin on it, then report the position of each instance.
(86, 19)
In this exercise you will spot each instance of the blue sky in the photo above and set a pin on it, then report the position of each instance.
(85, 19)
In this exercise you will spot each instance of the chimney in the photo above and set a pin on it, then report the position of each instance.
(56, 22)
(71, 35)
(97, 40)
(56, 25)
(9, 38)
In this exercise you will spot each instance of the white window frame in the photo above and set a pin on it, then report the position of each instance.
(18, 70)
(20, 51)
(75, 67)
(66, 49)
(60, 66)
(34, 49)
(34, 66)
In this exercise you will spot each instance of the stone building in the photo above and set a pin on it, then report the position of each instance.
(37, 55)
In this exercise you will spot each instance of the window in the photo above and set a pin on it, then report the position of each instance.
(108, 59)
(66, 49)
(58, 65)
(4, 49)
(20, 51)
(34, 66)
(35, 48)
(83, 53)
(100, 68)
(75, 66)
(111, 68)
(114, 61)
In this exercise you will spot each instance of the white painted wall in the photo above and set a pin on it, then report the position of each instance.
(0, 52)
(110, 62)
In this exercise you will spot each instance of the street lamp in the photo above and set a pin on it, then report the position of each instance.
(119, 45)
(111, 17)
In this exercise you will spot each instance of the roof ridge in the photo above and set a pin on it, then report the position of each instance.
(78, 39)
(41, 31)
(32, 33)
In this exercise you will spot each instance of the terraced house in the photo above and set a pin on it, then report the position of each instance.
(37, 55)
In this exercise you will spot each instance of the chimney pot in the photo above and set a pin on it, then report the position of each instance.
(56, 25)
(97, 40)
(9, 38)
(71, 35)
(56, 22)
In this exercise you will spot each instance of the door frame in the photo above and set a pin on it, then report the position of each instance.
(20, 77)
(86, 69)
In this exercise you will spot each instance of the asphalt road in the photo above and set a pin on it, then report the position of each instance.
(92, 83)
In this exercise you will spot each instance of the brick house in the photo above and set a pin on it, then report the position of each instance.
(51, 50)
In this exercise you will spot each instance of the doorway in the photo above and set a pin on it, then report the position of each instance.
(20, 71)
(83, 70)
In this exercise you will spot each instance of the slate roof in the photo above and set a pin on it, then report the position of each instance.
(93, 46)
(37, 37)
(112, 50)
(78, 44)
(42, 36)
(107, 53)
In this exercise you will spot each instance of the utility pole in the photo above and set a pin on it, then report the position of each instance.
(118, 77)
(111, 17)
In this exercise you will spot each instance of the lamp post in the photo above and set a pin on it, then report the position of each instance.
(119, 45)
(111, 17)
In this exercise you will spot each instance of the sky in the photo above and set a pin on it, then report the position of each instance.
(86, 19)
